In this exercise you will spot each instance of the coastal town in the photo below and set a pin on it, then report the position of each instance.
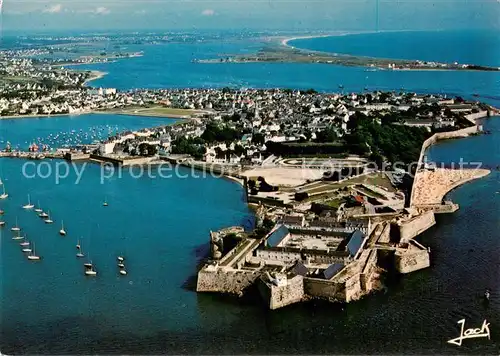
(339, 182)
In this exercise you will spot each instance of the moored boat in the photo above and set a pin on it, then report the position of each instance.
(62, 232)
(33, 256)
(38, 209)
(29, 205)
(48, 220)
(15, 227)
(4, 195)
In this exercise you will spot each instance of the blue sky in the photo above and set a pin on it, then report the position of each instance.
(40, 15)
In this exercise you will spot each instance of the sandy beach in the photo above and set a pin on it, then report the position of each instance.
(95, 74)
(432, 186)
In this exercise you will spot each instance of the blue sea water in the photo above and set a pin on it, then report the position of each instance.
(161, 226)
(172, 66)
(60, 131)
(481, 47)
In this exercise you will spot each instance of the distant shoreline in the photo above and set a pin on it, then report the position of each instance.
(95, 74)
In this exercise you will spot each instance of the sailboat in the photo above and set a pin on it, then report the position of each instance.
(1, 182)
(2, 223)
(89, 269)
(15, 228)
(3, 195)
(43, 215)
(24, 243)
(29, 205)
(62, 232)
(48, 220)
(32, 256)
(105, 202)
(123, 272)
(38, 209)
(18, 237)
(80, 252)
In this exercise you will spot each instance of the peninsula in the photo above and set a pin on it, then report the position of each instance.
(283, 53)
(340, 183)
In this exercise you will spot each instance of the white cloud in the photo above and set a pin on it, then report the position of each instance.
(55, 9)
(101, 11)
(208, 12)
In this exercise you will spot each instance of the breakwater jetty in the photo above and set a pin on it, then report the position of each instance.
(431, 184)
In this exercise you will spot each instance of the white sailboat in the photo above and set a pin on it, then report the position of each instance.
(29, 205)
(105, 202)
(123, 272)
(1, 182)
(38, 209)
(62, 232)
(48, 220)
(80, 253)
(15, 228)
(24, 244)
(18, 237)
(4, 195)
(89, 269)
(2, 223)
(32, 256)
(43, 215)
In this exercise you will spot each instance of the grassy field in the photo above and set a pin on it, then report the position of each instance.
(335, 203)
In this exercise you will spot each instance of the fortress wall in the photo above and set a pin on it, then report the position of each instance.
(225, 281)
(414, 227)
(370, 262)
(440, 136)
(278, 297)
(325, 289)
(407, 262)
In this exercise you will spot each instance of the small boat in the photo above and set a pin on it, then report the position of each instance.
(24, 243)
(18, 237)
(120, 258)
(80, 254)
(88, 264)
(90, 271)
(48, 220)
(29, 205)
(105, 202)
(27, 249)
(1, 182)
(2, 223)
(121, 265)
(43, 215)
(2, 212)
(38, 209)
(78, 246)
(15, 228)
(123, 272)
(32, 256)
(4, 195)
(62, 232)
(487, 294)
